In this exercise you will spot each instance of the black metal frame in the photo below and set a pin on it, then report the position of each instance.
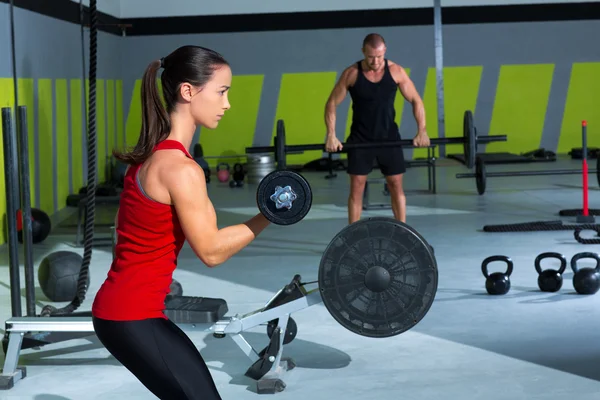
(431, 180)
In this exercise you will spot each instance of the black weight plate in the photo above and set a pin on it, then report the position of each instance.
(378, 277)
(470, 144)
(300, 206)
(480, 175)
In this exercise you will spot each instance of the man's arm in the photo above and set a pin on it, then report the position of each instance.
(408, 90)
(338, 94)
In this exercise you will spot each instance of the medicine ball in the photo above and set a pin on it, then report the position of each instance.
(175, 289)
(58, 274)
(40, 225)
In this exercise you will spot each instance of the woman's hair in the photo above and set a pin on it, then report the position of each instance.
(188, 64)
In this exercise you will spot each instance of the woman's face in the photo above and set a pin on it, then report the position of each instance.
(210, 103)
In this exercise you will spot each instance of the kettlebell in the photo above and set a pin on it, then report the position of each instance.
(586, 280)
(223, 172)
(497, 282)
(550, 280)
(238, 176)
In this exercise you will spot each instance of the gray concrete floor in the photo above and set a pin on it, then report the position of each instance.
(524, 345)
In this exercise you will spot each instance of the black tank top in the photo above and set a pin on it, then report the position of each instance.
(373, 112)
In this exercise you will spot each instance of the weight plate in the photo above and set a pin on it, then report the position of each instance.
(470, 144)
(480, 175)
(378, 277)
(284, 197)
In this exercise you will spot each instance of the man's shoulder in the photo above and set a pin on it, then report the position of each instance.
(394, 66)
(396, 70)
(350, 73)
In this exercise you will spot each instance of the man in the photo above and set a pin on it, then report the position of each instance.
(372, 83)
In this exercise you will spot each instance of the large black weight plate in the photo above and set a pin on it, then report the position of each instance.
(378, 277)
(480, 175)
(276, 183)
(470, 136)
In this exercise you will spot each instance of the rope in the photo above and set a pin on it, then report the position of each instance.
(539, 226)
(581, 240)
(82, 282)
(576, 212)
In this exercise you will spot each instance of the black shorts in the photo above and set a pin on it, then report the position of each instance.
(389, 160)
(160, 355)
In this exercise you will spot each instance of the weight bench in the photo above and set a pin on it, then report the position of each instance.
(192, 313)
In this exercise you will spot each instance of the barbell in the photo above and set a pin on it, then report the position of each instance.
(469, 140)
(481, 174)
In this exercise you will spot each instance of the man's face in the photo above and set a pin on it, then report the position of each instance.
(374, 56)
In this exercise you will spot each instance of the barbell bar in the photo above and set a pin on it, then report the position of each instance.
(470, 140)
(481, 174)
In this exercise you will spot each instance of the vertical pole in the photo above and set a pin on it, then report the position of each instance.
(585, 216)
(439, 67)
(11, 212)
(22, 136)
(11, 11)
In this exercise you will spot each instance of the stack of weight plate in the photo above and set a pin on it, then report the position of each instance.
(259, 166)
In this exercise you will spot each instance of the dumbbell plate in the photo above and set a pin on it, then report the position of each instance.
(282, 179)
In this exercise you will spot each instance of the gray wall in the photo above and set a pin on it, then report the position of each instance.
(487, 45)
(48, 48)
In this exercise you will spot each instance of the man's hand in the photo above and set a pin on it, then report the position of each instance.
(333, 144)
(421, 140)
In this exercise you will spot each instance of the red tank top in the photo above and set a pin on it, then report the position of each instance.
(149, 241)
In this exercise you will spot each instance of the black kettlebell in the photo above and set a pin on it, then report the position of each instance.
(550, 280)
(238, 176)
(497, 282)
(586, 280)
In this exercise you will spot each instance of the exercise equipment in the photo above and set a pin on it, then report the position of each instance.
(21, 186)
(586, 280)
(41, 225)
(497, 283)
(577, 234)
(175, 289)
(470, 140)
(58, 273)
(538, 226)
(118, 169)
(378, 278)
(481, 175)
(373, 261)
(238, 176)
(284, 197)
(223, 172)
(550, 280)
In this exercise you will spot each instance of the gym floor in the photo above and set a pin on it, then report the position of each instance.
(524, 345)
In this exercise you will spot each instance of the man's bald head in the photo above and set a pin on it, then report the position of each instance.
(374, 51)
(373, 40)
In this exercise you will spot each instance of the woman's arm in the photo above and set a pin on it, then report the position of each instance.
(213, 246)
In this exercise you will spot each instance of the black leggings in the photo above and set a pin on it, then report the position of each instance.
(160, 355)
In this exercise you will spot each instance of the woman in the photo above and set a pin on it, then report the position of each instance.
(164, 202)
